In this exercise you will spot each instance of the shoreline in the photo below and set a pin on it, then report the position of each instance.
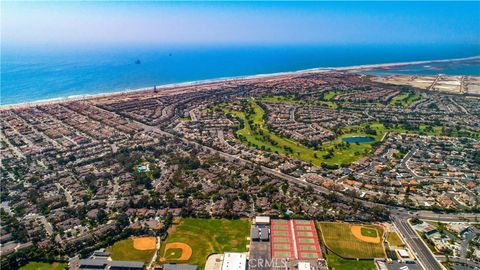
(356, 68)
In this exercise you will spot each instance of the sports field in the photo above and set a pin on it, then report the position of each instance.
(338, 263)
(193, 239)
(133, 249)
(44, 266)
(352, 241)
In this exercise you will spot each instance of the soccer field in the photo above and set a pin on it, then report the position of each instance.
(338, 238)
(204, 237)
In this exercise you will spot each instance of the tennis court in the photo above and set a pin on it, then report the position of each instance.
(281, 239)
(306, 240)
(294, 239)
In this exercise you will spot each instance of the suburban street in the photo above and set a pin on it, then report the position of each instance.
(420, 250)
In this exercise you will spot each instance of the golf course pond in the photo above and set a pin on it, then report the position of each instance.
(358, 139)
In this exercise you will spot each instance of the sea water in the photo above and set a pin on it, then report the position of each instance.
(33, 74)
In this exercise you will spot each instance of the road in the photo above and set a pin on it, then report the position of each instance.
(46, 224)
(404, 163)
(434, 82)
(68, 196)
(421, 251)
(471, 264)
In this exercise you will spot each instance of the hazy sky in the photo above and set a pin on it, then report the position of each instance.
(267, 23)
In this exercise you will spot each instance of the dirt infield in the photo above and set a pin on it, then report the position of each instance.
(357, 232)
(171, 249)
(144, 243)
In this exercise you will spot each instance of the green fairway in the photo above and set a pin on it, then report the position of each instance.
(339, 239)
(404, 99)
(44, 266)
(123, 250)
(255, 133)
(338, 263)
(331, 94)
(291, 100)
(207, 236)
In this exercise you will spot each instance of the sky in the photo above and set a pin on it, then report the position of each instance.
(238, 23)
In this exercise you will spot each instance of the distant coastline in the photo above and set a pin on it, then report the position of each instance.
(356, 68)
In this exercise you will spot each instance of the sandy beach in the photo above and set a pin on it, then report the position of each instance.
(166, 88)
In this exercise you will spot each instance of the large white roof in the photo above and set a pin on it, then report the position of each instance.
(234, 261)
(303, 266)
(403, 253)
(262, 220)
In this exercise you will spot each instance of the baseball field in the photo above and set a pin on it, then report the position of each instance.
(134, 249)
(193, 239)
(353, 241)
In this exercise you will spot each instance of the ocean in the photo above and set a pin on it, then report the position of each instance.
(34, 74)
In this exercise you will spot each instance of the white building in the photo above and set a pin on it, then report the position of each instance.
(262, 220)
(304, 266)
(234, 261)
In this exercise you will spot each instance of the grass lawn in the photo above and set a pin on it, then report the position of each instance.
(291, 100)
(404, 99)
(44, 266)
(255, 133)
(370, 232)
(174, 253)
(207, 236)
(338, 263)
(123, 250)
(339, 239)
(331, 94)
(394, 240)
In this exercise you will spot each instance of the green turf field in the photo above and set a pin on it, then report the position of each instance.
(174, 253)
(255, 133)
(44, 266)
(339, 239)
(207, 236)
(404, 99)
(338, 263)
(123, 250)
(370, 232)
(394, 240)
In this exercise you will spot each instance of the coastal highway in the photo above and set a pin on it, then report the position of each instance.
(421, 251)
